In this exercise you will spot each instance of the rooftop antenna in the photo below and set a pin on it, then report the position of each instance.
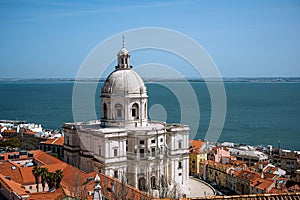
(123, 43)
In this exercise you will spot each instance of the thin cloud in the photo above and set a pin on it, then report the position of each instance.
(33, 11)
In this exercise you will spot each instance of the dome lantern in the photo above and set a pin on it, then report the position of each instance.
(123, 57)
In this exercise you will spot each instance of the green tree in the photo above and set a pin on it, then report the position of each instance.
(44, 172)
(50, 179)
(11, 142)
(58, 177)
(36, 171)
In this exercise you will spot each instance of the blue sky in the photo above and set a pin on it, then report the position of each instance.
(47, 38)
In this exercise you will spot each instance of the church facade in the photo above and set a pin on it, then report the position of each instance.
(151, 155)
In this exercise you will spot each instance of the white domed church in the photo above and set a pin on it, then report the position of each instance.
(152, 155)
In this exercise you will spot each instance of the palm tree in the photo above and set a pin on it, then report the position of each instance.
(36, 171)
(58, 177)
(50, 179)
(44, 172)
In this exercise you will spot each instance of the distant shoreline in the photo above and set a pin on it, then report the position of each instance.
(159, 79)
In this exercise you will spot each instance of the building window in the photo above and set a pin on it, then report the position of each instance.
(116, 174)
(99, 150)
(115, 152)
(104, 111)
(161, 140)
(142, 153)
(179, 174)
(153, 141)
(179, 144)
(179, 165)
(134, 111)
(142, 142)
(142, 184)
(153, 185)
(153, 152)
(118, 110)
(68, 140)
(145, 110)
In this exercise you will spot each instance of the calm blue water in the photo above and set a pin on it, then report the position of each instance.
(257, 113)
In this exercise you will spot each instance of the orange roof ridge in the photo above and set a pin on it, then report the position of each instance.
(12, 186)
(55, 141)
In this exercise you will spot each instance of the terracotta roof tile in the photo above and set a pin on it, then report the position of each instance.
(24, 176)
(58, 194)
(9, 169)
(55, 141)
(9, 131)
(13, 186)
(261, 183)
(248, 175)
(196, 145)
(27, 176)
(45, 158)
(278, 191)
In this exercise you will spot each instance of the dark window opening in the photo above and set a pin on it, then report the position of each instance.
(134, 111)
(179, 145)
(104, 111)
(179, 165)
(142, 154)
(116, 174)
(153, 152)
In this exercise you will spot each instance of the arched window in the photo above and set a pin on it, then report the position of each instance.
(153, 182)
(135, 111)
(145, 110)
(104, 111)
(142, 184)
(163, 181)
(118, 108)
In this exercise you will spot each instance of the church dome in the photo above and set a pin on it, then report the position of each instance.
(124, 82)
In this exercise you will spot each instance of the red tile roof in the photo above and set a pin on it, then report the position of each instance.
(248, 175)
(197, 143)
(11, 185)
(45, 158)
(278, 191)
(196, 146)
(260, 183)
(72, 177)
(55, 141)
(9, 131)
(58, 194)
(9, 169)
(30, 133)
